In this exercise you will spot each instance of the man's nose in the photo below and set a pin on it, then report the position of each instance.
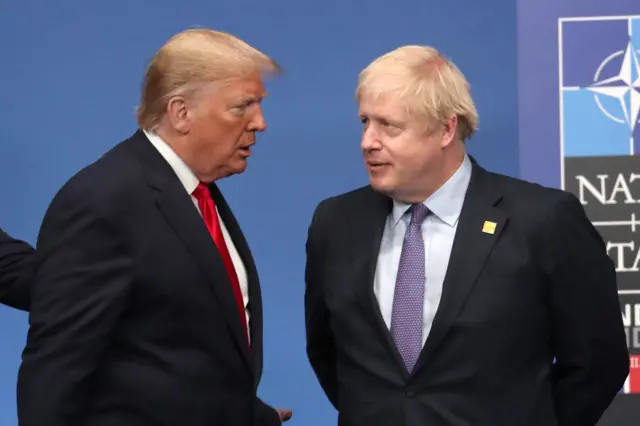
(258, 123)
(369, 139)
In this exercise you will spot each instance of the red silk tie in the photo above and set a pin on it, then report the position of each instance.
(208, 210)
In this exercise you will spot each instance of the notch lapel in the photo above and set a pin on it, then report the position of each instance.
(253, 282)
(472, 245)
(370, 238)
(180, 213)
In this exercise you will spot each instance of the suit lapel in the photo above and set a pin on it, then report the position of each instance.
(472, 244)
(255, 297)
(178, 209)
(369, 239)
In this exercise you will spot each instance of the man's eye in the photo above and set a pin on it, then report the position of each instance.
(246, 104)
(242, 108)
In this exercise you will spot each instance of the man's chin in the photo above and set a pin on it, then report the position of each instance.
(381, 185)
(239, 166)
(235, 168)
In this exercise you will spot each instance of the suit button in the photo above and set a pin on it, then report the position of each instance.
(410, 394)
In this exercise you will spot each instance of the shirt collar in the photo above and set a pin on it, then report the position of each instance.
(186, 176)
(446, 202)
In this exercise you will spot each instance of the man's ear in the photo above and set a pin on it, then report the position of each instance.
(450, 130)
(178, 114)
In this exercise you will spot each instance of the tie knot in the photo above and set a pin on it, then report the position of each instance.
(418, 213)
(201, 192)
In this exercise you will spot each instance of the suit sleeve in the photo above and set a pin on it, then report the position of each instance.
(321, 349)
(80, 290)
(16, 268)
(267, 415)
(592, 360)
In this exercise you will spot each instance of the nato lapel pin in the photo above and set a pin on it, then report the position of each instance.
(489, 227)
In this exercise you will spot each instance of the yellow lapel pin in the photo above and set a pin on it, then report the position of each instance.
(489, 227)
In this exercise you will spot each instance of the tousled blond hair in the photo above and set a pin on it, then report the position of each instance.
(427, 83)
(191, 60)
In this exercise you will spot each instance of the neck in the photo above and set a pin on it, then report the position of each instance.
(178, 144)
(183, 149)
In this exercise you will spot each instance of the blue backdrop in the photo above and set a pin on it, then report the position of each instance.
(71, 72)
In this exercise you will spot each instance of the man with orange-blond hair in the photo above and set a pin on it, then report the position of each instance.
(146, 307)
(441, 293)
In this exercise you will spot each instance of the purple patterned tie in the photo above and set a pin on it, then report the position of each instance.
(408, 300)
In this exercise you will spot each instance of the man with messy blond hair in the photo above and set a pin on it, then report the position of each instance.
(440, 293)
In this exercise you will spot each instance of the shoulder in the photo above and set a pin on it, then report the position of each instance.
(521, 188)
(103, 185)
(521, 196)
(351, 202)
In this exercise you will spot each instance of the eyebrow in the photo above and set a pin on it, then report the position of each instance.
(379, 117)
(254, 98)
(246, 100)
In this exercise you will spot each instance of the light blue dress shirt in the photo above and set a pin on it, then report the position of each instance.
(438, 232)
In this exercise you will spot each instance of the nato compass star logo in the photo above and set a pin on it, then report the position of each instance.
(624, 87)
(599, 61)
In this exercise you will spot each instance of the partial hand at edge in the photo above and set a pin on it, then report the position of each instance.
(284, 413)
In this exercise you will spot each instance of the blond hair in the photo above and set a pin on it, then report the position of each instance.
(428, 84)
(189, 61)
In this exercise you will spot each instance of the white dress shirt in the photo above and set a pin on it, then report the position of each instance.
(438, 232)
(190, 182)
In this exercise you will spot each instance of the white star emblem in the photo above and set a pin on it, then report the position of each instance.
(625, 87)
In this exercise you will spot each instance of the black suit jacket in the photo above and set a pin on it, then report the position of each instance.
(15, 271)
(133, 320)
(541, 286)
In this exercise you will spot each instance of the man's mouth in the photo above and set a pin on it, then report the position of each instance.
(245, 150)
(376, 165)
